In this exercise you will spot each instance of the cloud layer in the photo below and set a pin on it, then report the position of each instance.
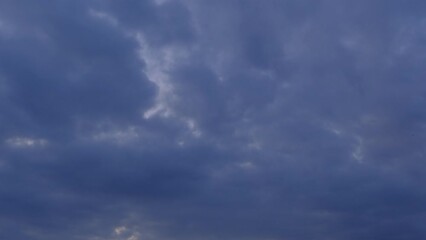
(168, 120)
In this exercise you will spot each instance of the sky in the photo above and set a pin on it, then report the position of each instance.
(212, 119)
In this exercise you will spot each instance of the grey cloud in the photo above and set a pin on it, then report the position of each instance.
(268, 120)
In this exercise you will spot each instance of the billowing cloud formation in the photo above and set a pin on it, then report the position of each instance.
(160, 120)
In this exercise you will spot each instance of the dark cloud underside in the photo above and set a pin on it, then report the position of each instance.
(168, 119)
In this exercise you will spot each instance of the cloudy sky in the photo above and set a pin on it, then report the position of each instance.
(212, 119)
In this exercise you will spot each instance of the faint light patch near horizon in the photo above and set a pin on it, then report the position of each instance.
(123, 233)
(119, 230)
(26, 142)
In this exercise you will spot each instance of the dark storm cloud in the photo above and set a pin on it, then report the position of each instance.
(212, 120)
